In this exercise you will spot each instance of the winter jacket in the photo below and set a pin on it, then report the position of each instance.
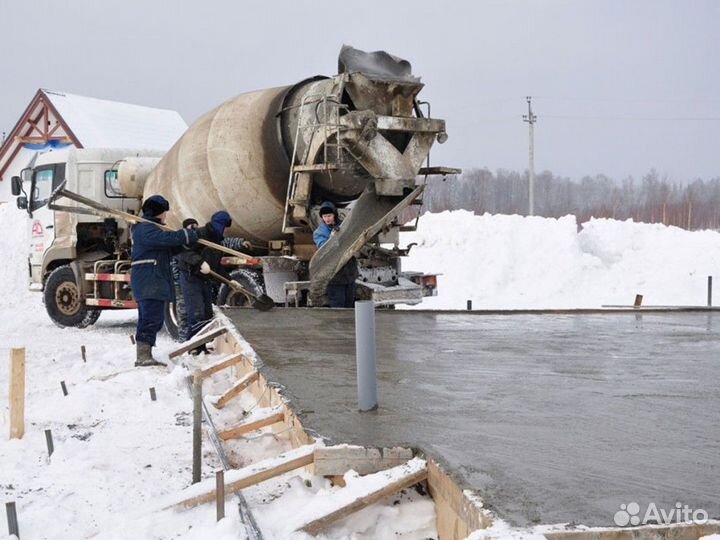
(190, 258)
(152, 249)
(349, 272)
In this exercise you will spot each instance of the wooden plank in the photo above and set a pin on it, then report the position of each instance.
(238, 479)
(197, 341)
(337, 460)
(236, 389)
(264, 418)
(17, 393)
(376, 487)
(222, 363)
(457, 513)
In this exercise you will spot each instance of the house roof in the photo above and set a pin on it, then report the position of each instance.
(109, 124)
(54, 118)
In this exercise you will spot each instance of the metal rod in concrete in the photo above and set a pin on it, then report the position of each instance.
(220, 493)
(49, 441)
(469, 305)
(12, 520)
(365, 354)
(64, 388)
(197, 426)
(709, 291)
(82, 353)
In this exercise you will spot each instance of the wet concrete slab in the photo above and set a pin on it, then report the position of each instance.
(552, 418)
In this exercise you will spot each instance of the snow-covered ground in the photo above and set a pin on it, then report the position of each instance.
(118, 454)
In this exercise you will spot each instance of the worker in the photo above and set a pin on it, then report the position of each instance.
(341, 289)
(195, 264)
(150, 276)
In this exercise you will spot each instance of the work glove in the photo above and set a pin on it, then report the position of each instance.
(235, 285)
(204, 268)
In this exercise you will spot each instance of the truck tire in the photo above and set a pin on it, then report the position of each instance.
(252, 281)
(63, 301)
(175, 311)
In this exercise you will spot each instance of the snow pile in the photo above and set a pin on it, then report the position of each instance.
(14, 244)
(514, 262)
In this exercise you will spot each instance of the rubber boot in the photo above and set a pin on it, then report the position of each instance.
(144, 355)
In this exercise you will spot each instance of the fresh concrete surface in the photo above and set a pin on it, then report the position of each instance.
(551, 417)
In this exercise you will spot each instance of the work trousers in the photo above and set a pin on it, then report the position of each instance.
(151, 316)
(197, 296)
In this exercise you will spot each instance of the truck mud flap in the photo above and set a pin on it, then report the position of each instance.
(368, 217)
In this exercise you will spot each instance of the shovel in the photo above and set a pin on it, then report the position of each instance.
(262, 302)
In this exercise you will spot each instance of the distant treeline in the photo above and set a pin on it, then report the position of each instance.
(651, 199)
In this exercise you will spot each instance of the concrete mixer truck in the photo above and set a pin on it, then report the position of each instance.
(360, 139)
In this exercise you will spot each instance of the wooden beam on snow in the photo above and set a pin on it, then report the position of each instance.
(236, 389)
(262, 418)
(364, 491)
(202, 339)
(238, 479)
(223, 363)
(337, 460)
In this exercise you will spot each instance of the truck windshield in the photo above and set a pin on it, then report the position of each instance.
(42, 187)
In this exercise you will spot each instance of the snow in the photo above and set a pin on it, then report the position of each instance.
(515, 262)
(98, 123)
(119, 455)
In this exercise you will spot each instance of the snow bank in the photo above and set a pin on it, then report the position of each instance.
(518, 262)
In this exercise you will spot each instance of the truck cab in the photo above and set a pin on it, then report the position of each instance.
(68, 244)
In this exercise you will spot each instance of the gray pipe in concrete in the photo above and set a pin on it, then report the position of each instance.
(365, 353)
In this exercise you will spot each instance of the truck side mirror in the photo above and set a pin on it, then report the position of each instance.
(16, 186)
(22, 202)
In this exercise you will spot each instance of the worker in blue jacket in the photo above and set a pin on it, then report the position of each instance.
(150, 277)
(341, 289)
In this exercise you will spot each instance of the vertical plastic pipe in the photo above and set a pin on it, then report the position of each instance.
(365, 353)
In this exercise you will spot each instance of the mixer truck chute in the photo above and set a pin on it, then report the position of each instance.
(269, 158)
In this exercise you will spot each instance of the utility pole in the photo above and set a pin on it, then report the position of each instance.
(530, 118)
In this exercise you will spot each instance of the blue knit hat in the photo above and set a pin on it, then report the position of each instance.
(220, 221)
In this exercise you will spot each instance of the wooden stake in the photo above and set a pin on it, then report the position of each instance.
(153, 396)
(638, 300)
(132, 339)
(220, 493)
(197, 429)
(82, 353)
(17, 393)
(64, 388)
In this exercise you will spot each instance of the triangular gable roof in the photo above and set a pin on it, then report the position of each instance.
(54, 118)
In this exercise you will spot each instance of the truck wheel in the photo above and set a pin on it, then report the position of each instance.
(172, 321)
(175, 322)
(248, 279)
(63, 301)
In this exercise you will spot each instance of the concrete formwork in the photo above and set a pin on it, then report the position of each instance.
(551, 418)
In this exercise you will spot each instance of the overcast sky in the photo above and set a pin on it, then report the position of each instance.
(618, 86)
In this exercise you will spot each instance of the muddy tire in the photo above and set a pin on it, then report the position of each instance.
(63, 301)
(252, 281)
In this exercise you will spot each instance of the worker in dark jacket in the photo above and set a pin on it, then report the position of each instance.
(150, 276)
(195, 264)
(341, 289)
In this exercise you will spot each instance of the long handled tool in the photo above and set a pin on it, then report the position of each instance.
(103, 210)
(261, 302)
